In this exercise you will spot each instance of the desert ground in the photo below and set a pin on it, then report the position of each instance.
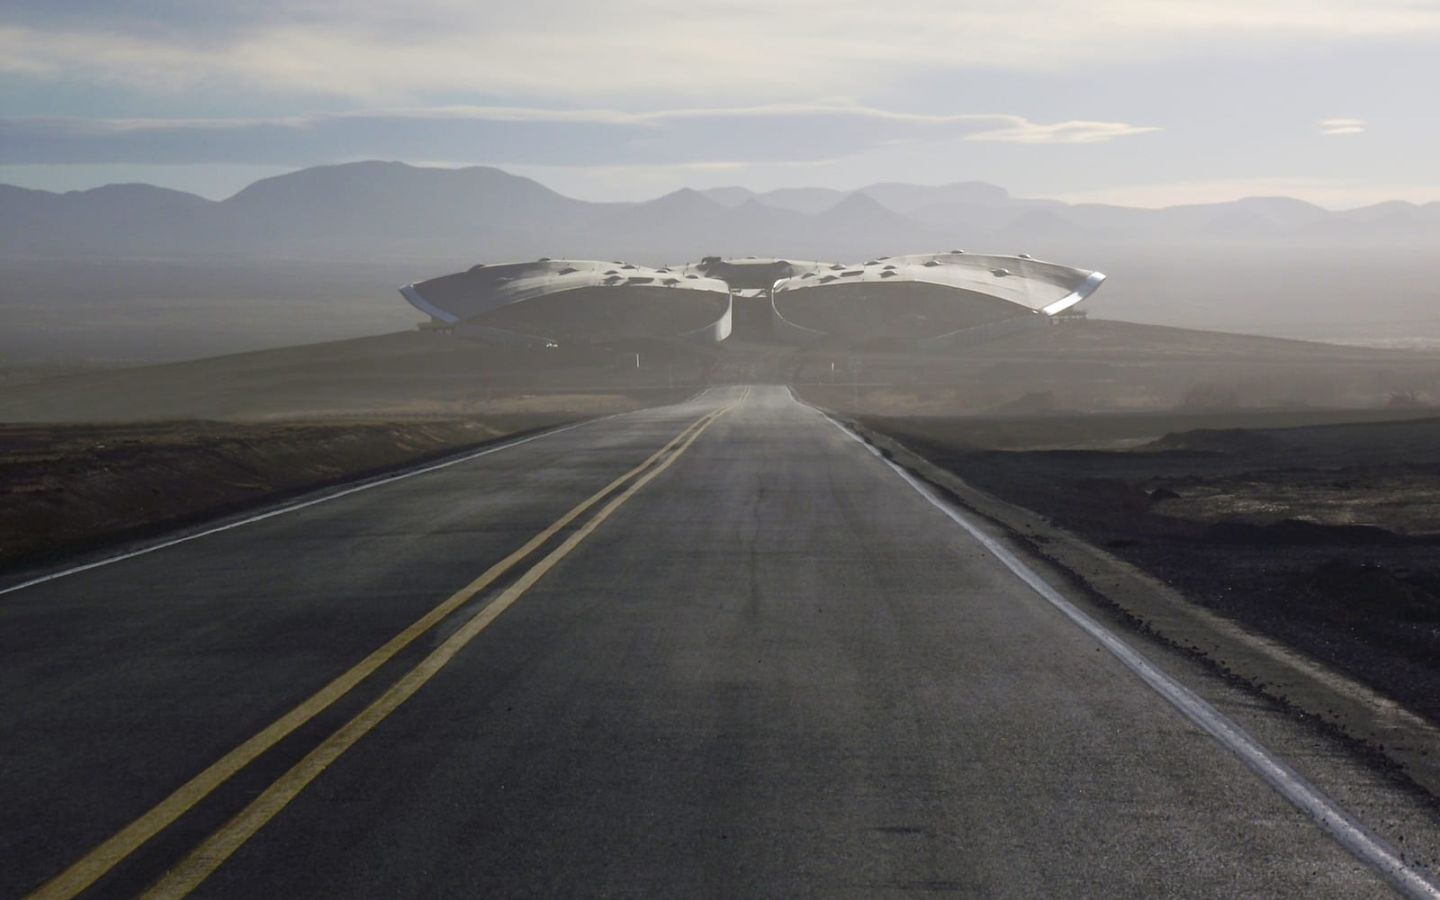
(1292, 486)
(105, 451)
(1323, 536)
(71, 488)
(1081, 367)
(1288, 489)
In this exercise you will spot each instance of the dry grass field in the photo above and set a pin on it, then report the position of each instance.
(65, 489)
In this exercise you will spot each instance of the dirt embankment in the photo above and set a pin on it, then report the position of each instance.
(1324, 537)
(65, 489)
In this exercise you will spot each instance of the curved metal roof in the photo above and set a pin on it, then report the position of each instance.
(750, 272)
(482, 288)
(1042, 287)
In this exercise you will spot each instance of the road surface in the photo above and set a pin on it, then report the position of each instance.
(739, 656)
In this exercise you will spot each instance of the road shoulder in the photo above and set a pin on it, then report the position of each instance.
(1384, 732)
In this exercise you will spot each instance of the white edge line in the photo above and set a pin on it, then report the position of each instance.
(1325, 812)
(336, 495)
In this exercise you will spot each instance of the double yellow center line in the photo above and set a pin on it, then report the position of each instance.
(202, 861)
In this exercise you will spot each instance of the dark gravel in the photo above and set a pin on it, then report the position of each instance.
(1364, 598)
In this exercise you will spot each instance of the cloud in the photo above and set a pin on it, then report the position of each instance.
(779, 133)
(1023, 132)
(713, 49)
(1342, 126)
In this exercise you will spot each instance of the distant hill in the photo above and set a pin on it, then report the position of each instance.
(907, 198)
(115, 220)
(376, 211)
(352, 211)
(895, 196)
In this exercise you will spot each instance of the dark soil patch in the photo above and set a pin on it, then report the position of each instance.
(66, 489)
(1363, 597)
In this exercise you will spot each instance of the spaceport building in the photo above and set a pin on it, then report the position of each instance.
(923, 301)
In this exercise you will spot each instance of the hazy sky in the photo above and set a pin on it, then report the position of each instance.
(1135, 101)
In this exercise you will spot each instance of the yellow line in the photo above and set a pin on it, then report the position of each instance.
(217, 848)
(104, 857)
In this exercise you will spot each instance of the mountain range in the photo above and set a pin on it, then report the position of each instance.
(392, 211)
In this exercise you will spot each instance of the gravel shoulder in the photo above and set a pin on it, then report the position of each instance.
(1303, 561)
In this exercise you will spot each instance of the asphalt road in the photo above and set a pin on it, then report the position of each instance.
(764, 666)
